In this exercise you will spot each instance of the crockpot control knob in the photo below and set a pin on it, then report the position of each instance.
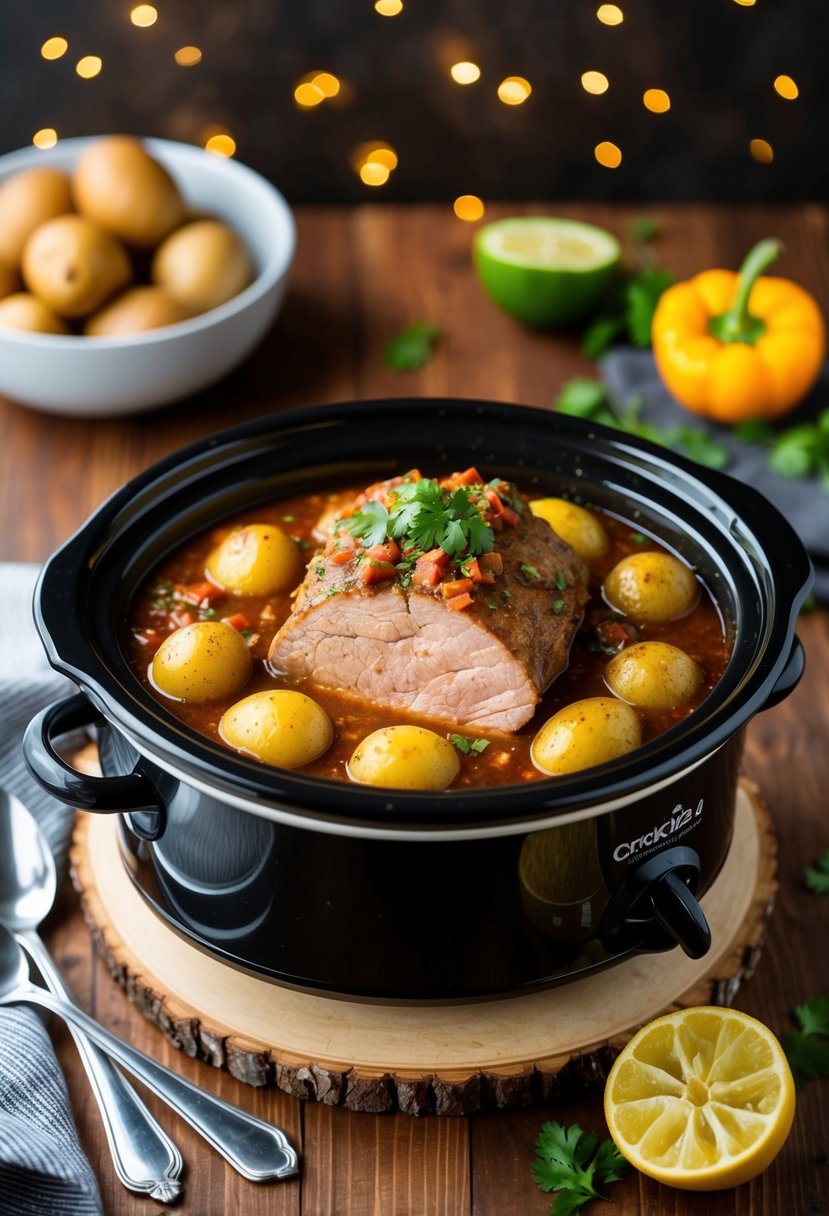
(656, 907)
(679, 914)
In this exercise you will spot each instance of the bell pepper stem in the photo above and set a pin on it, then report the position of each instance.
(737, 324)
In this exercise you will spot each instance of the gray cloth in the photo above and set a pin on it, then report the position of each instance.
(629, 373)
(43, 1170)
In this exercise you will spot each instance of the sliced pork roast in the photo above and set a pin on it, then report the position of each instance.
(469, 634)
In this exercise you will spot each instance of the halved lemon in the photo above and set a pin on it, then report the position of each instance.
(543, 270)
(701, 1099)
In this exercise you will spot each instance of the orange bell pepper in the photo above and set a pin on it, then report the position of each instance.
(733, 347)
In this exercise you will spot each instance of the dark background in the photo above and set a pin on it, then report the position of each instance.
(716, 58)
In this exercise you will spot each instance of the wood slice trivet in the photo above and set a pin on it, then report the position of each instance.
(447, 1060)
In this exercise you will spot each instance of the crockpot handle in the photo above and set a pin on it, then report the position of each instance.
(133, 792)
(789, 677)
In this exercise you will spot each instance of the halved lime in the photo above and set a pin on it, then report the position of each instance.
(545, 271)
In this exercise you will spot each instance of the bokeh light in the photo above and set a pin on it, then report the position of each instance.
(610, 14)
(657, 101)
(144, 15)
(608, 155)
(786, 87)
(218, 140)
(594, 82)
(762, 151)
(327, 83)
(465, 72)
(374, 162)
(372, 173)
(746, 3)
(53, 48)
(307, 94)
(514, 91)
(469, 207)
(47, 137)
(89, 66)
(188, 56)
(389, 8)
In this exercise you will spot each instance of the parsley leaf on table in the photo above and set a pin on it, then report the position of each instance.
(816, 877)
(590, 399)
(807, 1049)
(571, 1162)
(641, 298)
(631, 301)
(412, 348)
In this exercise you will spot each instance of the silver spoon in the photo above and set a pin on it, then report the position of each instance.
(145, 1158)
(257, 1150)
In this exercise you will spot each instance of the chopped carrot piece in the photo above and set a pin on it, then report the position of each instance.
(492, 562)
(511, 518)
(469, 477)
(439, 558)
(376, 572)
(456, 586)
(342, 556)
(387, 552)
(426, 574)
(459, 602)
(237, 621)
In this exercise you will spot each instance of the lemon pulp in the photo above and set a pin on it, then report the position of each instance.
(701, 1099)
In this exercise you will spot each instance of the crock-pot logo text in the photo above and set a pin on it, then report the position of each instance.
(680, 820)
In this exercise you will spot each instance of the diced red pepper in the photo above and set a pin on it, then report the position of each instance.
(203, 594)
(342, 556)
(456, 586)
(237, 621)
(459, 602)
(469, 477)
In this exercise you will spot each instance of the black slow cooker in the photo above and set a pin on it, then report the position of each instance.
(390, 895)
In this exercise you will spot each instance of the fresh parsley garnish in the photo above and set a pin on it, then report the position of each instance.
(627, 314)
(571, 1163)
(491, 604)
(413, 347)
(320, 571)
(816, 877)
(807, 1049)
(558, 606)
(529, 571)
(638, 538)
(469, 746)
(424, 515)
(590, 399)
(561, 580)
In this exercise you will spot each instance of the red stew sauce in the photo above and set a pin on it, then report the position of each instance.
(178, 594)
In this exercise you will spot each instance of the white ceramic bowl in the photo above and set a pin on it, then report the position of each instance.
(104, 377)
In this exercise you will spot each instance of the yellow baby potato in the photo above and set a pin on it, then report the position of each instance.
(405, 758)
(202, 662)
(578, 527)
(654, 675)
(651, 586)
(584, 734)
(278, 726)
(258, 559)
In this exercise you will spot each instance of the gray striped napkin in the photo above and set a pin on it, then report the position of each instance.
(43, 1170)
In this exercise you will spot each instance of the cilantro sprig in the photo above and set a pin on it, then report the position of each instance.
(572, 1163)
(412, 348)
(584, 398)
(628, 310)
(424, 515)
(807, 1048)
(795, 452)
(816, 877)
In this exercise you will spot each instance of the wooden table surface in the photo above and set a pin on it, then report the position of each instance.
(362, 275)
